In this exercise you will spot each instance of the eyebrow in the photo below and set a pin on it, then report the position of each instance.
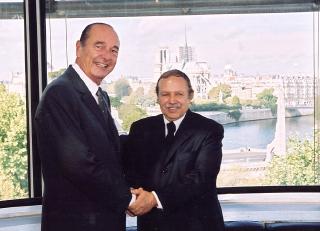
(103, 43)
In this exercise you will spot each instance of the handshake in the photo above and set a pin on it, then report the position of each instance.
(143, 203)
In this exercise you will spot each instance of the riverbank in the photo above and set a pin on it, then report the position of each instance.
(249, 114)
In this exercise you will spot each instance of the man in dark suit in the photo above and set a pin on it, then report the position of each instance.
(84, 187)
(181, 175)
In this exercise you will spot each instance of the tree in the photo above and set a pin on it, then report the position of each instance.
(138, 97)
(6, 187)
(55, 74)
(300, 166)
(135, 96)
(129, 113)
(268, 100)
(150, 98)
(225, 90)
(7, 111)
(122, 88)
(234, 114)
(115, 101)
(13, 146)
(235, 101)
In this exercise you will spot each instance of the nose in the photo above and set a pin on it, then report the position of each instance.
(172, 98)
(107, 54)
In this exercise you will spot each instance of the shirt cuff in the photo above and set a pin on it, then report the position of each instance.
(159, 205)
(133, 199)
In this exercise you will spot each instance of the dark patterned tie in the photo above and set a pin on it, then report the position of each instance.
(103, 101)
(104, 104)
(170, 137)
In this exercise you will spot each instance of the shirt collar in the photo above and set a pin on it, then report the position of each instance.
(92, 86)
(176, 122)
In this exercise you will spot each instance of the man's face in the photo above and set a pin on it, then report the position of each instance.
(173, 97)
(98, 56)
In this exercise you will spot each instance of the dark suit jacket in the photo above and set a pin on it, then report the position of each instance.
(184, 178)
(84, 185)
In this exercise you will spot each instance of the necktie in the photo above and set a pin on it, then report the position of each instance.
(103, 101)
(170, 137)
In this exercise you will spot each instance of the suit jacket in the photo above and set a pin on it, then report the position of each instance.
(184, 178)
(84, 185)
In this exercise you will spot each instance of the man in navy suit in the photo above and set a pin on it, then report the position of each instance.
(84, 185)
(181, 177)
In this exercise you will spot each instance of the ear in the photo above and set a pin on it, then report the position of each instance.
(191, 96)
(78, 48)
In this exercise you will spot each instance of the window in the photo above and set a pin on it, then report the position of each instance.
(13, 113)
(253, 69)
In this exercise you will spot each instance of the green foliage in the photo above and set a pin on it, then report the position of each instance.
(115, 101)
(122, 88)
(225, 89)
(235, 114)
(13, 146)
(212, 107)
(7, 190)
(129, 113)
(55, 74)
(300, 166)
(139, 98)
(268, 100)
(135, 96)
(235, 101)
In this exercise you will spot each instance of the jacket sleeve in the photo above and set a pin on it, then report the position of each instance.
(132, 157)
(197, 176)
(65, 148)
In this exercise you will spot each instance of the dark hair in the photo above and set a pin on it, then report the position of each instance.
(176, 73)
(86, 31)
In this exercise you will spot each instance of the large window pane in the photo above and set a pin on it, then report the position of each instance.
(254, 73)
(13, 141)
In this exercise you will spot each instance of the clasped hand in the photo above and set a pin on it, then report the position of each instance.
(145, 201)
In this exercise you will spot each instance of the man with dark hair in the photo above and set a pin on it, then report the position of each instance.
(176, 156)
(84, 187)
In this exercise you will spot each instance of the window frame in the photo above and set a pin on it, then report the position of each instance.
(35, 13)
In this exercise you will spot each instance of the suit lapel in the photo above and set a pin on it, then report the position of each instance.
(86, 96)
(84, 93)
(158, 131)
(184, 132)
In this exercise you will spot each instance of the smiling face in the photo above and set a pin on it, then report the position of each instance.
(97, 55)
(174, 97)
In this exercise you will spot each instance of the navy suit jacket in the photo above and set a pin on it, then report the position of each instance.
(184, 178)
(84, 185)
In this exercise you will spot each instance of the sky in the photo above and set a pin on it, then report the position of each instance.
(250, 43)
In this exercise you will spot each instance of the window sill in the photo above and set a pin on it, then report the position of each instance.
(264, 207)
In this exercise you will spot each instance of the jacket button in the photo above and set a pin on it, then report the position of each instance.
(165, 170)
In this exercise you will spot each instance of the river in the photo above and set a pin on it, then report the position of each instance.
(258, 134)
